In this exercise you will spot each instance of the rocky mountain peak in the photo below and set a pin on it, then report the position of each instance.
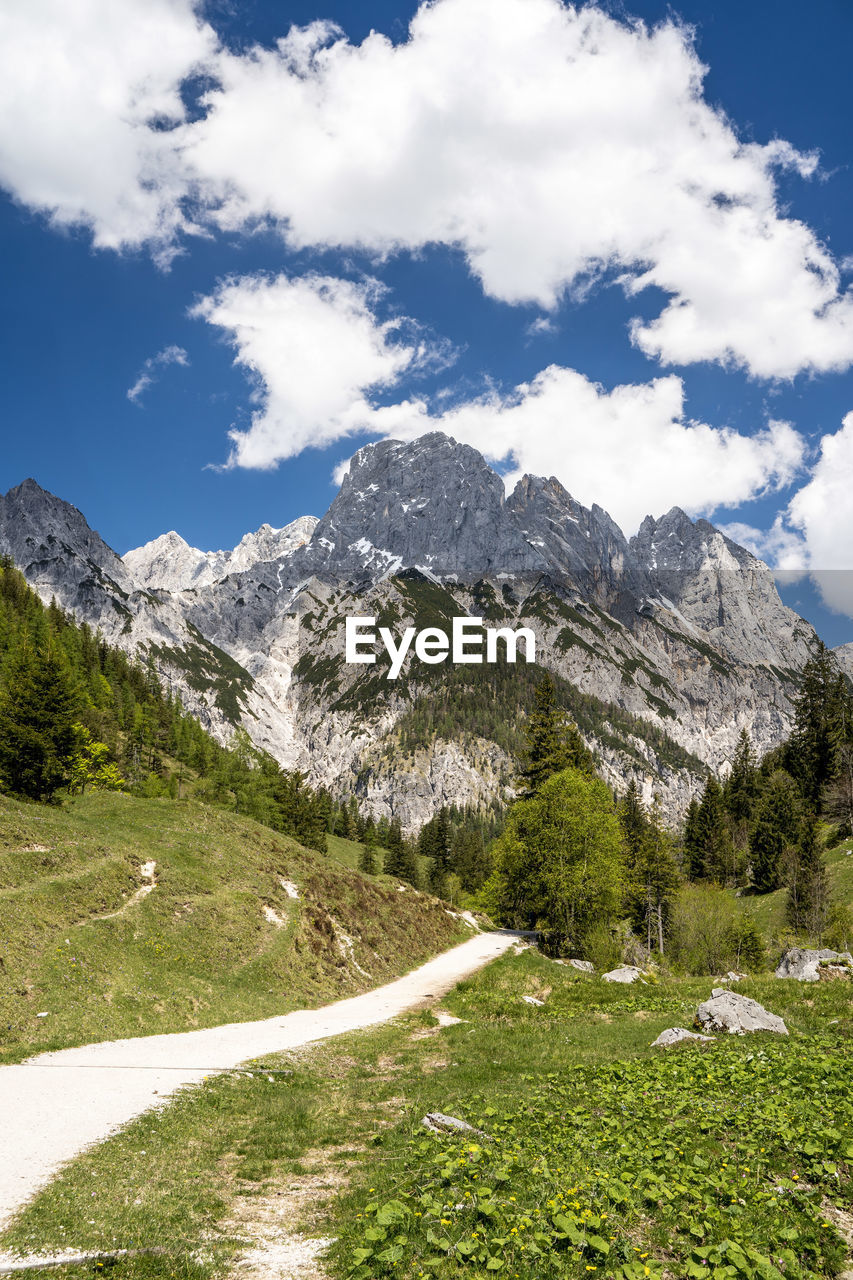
(430, 502)
(169, 563)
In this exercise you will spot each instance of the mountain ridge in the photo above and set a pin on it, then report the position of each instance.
(678, 628)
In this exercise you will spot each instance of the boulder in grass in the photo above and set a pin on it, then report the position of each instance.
(675, 1035)
(736, 1014)
(585, 966)
(626, 973)
(438, 1122)
(533, 1000)
(805, 965)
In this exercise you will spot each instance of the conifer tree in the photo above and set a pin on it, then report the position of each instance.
(37, 722)
(634, 822)
(741, 787)
(822, 723)
(655, 875)
(694, 856)
(713, 839)
(777, 824)
(553, 741)
(367, 861)
(394, 855)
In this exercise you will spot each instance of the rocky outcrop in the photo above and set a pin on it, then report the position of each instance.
(806, 966)
(729, 1011)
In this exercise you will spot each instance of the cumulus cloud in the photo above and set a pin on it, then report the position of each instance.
(89, 97)
(552, 145)
(632, 449)
(814, 534)
(779, 546)
(148, 373)
(319, 357)
(821, 511)
(316, 353)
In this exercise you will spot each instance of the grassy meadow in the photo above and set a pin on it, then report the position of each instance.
(768, 909)
(220, 937)
(598, 1157)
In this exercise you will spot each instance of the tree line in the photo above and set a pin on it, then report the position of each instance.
(759, 828)
(575, 860)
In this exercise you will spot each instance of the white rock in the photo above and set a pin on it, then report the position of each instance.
(737, 1014)
(438, 1122)
(805, 965)
(626, 973)
(445, 1019)
(532, 1000)
(675, 1035)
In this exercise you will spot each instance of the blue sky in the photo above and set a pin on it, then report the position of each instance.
(445, 249)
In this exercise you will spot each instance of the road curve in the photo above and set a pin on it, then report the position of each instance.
(57, 1104)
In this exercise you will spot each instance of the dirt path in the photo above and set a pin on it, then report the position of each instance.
(57, 1104)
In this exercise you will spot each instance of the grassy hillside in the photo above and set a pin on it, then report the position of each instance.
(219, 937)
(768, 909)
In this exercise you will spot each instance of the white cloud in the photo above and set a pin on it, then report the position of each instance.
(814, 534)
(631, 450)
(779, 546)
(315, 350)
(541, 325)
(148, 373)
(81, 84)
(549, 143)
(823, 513)
(319, 355)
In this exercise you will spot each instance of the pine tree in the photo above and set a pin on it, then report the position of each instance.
(634, 822)
(434, 843)
(777, 823)
(822, 719)
(656, 875)
(713, 838)
(394, 854)
(553, 741)
(470, 861)
(691, 840)
(741, 788)
(37, 722)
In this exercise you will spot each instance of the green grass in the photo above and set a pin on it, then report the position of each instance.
(768, 909)
(604, 1157)
(198, 950)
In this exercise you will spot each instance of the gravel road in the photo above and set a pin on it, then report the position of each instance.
(55, 1105)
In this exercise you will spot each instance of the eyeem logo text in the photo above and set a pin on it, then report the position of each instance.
(465, 644)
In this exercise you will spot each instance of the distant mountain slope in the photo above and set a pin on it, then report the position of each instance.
(665, 645)
(171, 564)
